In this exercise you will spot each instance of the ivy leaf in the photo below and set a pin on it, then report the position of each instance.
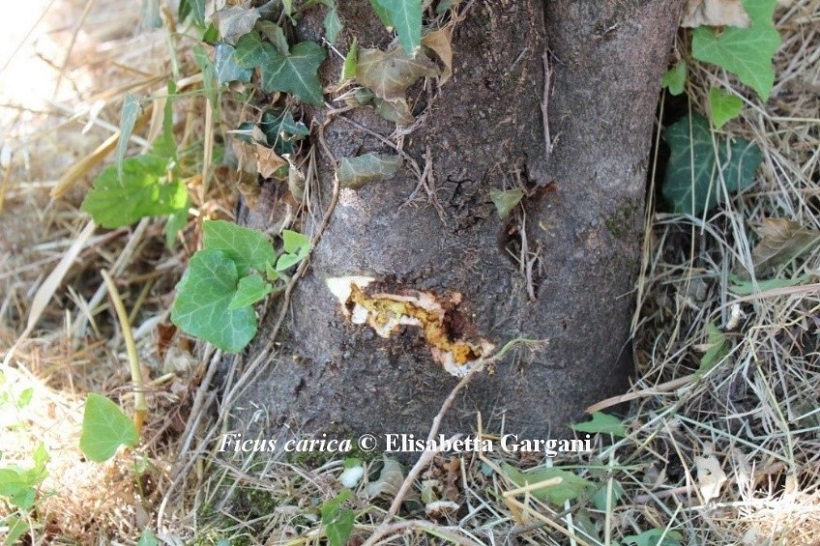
(250, 290)
(655, 537)
(295, 242)
(128, 118)
(333, 25)
(571, 486)
(397, 111)
(338, 521)
(693, 166)
(105, 429)
(281, 131)
(723, 106)
(204, 296)
(235, 21)
(675, 79)
(141, 193)
(746, 52)
(405, 17)
(275, 35)
(390, 73)
(225, 66)
(251, 51)
(602, 423)
(355, 172)
(147, 538)
(506, 201)
(296, 72)
(192, 7)
(246, 247)
(296, 246)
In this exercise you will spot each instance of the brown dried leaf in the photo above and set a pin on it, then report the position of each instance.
(267, 162)
(388, 483)
(781, 241)
(440, 42)
(245, 156)
(389, 74)
(710, 476)
(715, 13)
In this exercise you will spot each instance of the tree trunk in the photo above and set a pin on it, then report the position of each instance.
(577, 231)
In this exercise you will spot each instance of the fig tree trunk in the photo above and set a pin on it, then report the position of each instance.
(452, 275)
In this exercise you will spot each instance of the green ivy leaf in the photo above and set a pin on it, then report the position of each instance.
(204, 295)
(19, 485)
(250, 290)
(296, 72)
(405, 16)
(602, 423)
(338, 521)
(192, 7)
(147, 538)
(506, 201)
(723, 106)
(128, 118)
(689, 185)
(105, 429)
(746, 52)
(286, 261)
(675, 79)
(225, 65)
(281, 131)
(275, 35)
(570, 488)
(247, 248)
(333, 25)
(141, 193)
(251, 51)
(655, 537)
(615, 493)
(295, 243)
(355, 172)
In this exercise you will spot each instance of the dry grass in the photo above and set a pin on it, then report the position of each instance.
(751, 424)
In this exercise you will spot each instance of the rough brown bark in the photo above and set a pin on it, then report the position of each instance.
(583, 219)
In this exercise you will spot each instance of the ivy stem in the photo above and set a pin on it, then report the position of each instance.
(140, 407)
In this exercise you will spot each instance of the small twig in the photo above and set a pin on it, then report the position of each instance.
(427, 180)
(545, 102)
(418, 525)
